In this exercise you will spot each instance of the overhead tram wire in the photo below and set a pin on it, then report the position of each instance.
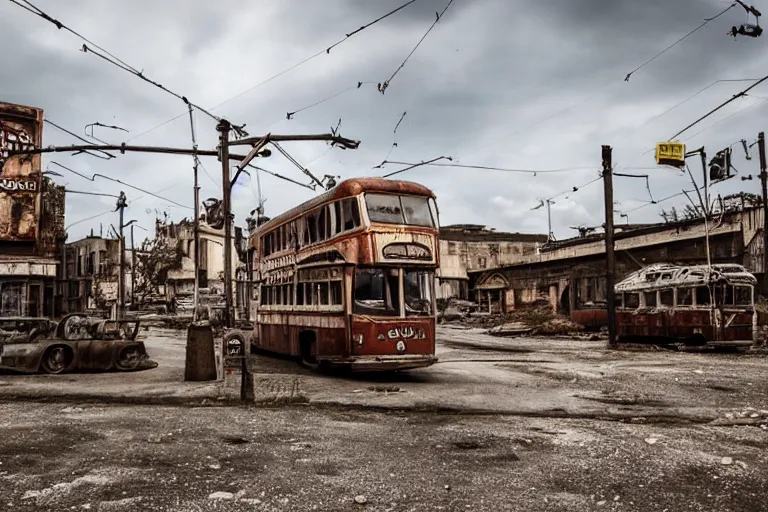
(112, 59)
(290, 115)
(93, 178)
(383, 86)
(325, 50)
(689, 98)
(394, 141)
(73, 134)
(733, 98)
(486, 168)
(665, 50)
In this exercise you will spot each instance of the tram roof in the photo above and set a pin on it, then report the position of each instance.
(665, 275)
(348, 188)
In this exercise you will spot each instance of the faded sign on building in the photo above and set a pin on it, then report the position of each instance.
(20, 176)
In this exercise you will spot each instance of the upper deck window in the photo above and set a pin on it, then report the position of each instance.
(392, 209)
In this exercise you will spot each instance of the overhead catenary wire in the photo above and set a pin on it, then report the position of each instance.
(733, 98)
(73, 134)
(93, 178)
(87, 193)
(325, 50)
(394, 141)
(296, 163)
(487, 168)
(644, 176)
(665, 50)
(383, 86)
(114, 60)
(289, 115)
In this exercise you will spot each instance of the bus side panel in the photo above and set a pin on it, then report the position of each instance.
(273, 338)
(738, 325)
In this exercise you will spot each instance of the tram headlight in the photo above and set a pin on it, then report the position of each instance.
(400, 346)
(358, 339)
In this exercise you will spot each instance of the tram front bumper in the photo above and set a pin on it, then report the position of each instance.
(379, 363)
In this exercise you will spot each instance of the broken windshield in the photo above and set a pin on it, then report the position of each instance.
(392, 209)
(377, 292)
(418, 287)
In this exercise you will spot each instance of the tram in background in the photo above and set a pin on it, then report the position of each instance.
(347, 279)
(697, 305)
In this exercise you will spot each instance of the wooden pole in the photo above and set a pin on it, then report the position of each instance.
(610, 262)
(764, 184)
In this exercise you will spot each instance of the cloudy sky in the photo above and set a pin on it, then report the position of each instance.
(528, 85)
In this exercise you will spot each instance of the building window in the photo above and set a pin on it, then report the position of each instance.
(452, 250)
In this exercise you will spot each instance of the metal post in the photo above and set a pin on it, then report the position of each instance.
(121, 204)
(133, 272)
(550, 235)
(610, 261)
(196, 257)
(764, 184)
(224, 128)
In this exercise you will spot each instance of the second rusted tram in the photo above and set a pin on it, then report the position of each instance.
(699, 305)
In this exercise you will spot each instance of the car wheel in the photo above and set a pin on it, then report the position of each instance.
(56, 359)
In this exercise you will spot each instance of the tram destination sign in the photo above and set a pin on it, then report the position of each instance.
(406, 251)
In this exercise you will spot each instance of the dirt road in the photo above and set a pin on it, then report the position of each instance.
(498, 424)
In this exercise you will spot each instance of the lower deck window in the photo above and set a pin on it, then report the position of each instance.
(377, 292)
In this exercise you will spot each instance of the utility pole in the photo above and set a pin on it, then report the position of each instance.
(764, 184)
(133, 272)
(610, 261)
(550, 235)
(196, 160)
(121, 204)
(224, 128)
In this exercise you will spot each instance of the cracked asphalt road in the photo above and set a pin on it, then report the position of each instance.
(498, 424)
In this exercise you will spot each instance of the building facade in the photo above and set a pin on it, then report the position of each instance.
(570, 275)
(468, 248)
(91, 274)
(31, 219)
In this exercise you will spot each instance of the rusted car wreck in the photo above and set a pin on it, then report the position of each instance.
(76, 342)
(696, 305)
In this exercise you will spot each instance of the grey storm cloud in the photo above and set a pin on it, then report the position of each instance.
(531, 85)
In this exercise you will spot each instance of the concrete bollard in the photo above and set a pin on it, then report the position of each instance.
(201, 356)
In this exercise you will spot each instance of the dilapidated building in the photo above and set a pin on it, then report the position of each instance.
(181, 281)
(31, 219)
(470, 248)
(570, 274)
(91, 274)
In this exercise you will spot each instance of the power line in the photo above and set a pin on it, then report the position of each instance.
(289, 115)
(658, 201)
(89, 218)
(112, 59)
(90, 193)
(575, 189)
(216, 183)
(740, 111)
(665, 50)
(412, 166)
(735, 96)
(325, 50)
(394, 141)
(694, 95)
(486, 168)
(383, 86)
(93, 178)
(108, 157)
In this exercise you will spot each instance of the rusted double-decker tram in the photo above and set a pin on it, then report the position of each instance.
(694, 304)
(347, 278)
